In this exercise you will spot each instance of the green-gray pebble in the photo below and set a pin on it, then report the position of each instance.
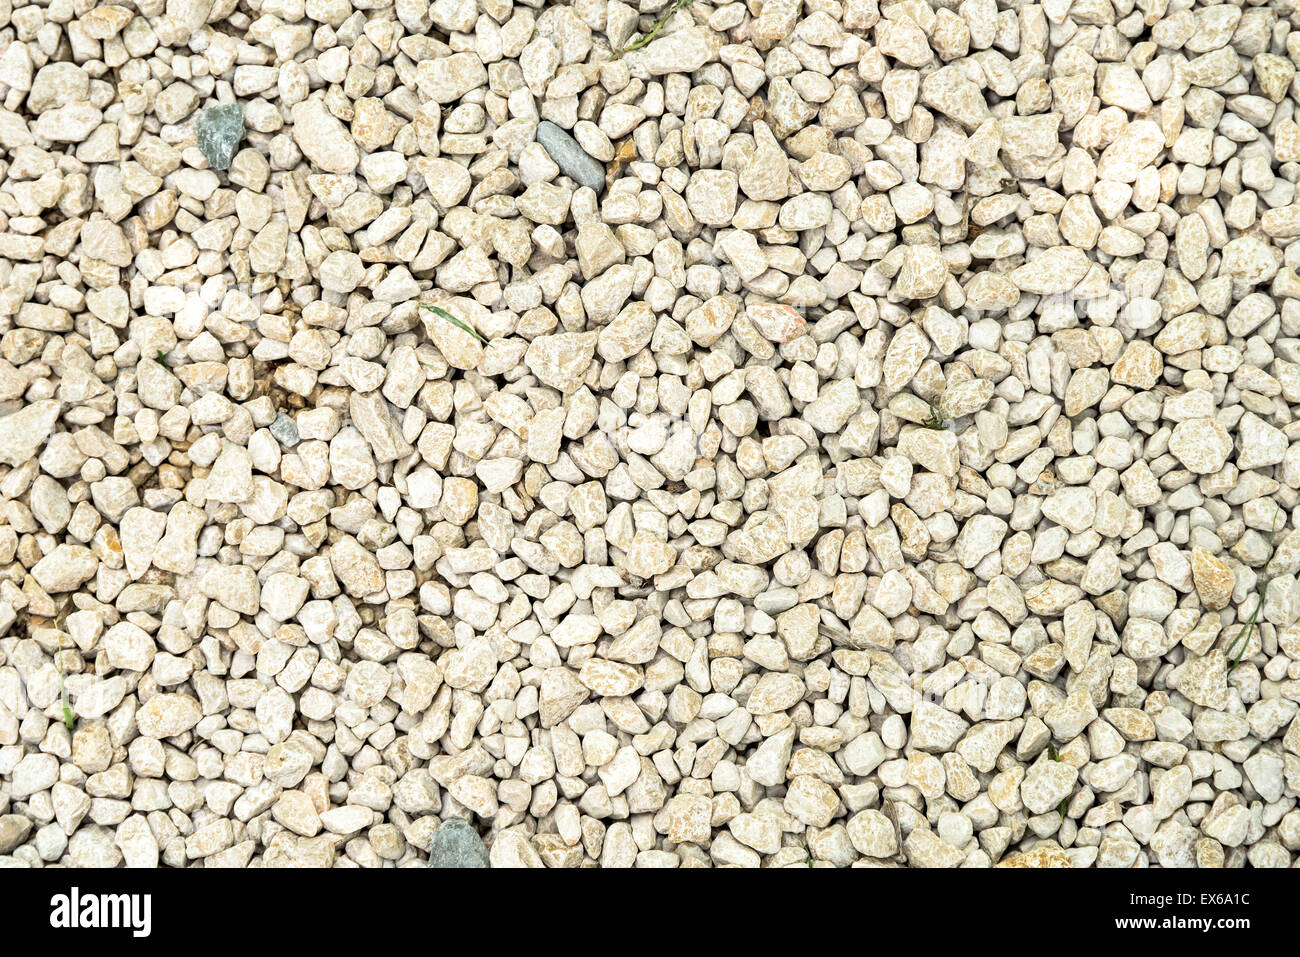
(220, 129)
(571, 158)
(285, 430)
(457, 844)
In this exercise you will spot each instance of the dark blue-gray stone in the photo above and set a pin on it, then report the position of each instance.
(571, 158)
(457, 844)
(219, 130)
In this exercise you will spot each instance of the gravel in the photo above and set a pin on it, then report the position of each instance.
(867, 434)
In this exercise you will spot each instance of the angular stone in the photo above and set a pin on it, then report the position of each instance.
(65, 568)
(1201, 445)
(167, 715)
(561, 360)
(219, 130)
(23, 432)
(1046, 854)
(456, 844)
(323, 138)
(1213, 579)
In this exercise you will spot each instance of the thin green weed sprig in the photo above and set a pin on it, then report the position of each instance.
(458, 323)
(659, 24)
(68, 717)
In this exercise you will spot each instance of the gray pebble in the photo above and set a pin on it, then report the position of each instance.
(776, 600)
(285, 430)
(457, 844)
(570, 157)
(219, 130)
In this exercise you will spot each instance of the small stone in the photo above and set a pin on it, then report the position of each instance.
(14, 829)
(561, 360)
(285, 430)
(572, 159)
(66, 568)
(167, 715)
(1213, 579)
(457, 844)
(1202, 445)
(23, 432)
(219, 130)
(1046, 854)
(323, 138)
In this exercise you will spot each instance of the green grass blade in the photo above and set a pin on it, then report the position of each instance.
(68, 718)
(439, 311)
(1244, 636)
(1242, 641)
(658, 25)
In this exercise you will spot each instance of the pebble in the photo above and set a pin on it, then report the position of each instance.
(457, 844)
(219, 130)
(572, 159)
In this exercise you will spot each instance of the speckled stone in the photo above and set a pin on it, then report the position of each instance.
(285, 430)
(570, 157)
(219, 130)
(457, 844)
